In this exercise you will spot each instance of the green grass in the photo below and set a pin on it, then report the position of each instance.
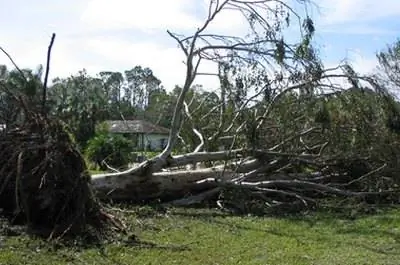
(209, 237)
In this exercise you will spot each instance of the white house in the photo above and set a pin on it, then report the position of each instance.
(146, 135)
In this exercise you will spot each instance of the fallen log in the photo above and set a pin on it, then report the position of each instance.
(262, 177)
(135, 185)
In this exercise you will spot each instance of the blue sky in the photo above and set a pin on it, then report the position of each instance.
(117, 35)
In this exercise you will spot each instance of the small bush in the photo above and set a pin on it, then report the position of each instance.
(115, 150)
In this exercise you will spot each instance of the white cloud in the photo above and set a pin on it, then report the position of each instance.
(228, 21)
(341, 11)
(362, 63)
(181, 16)
(67, 55)
(357, 29)
(71, 55)
(150, 15)
(139, 14)
(166, 62)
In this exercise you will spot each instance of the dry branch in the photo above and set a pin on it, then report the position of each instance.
(46, 77)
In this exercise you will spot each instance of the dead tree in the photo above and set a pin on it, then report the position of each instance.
(267, 68)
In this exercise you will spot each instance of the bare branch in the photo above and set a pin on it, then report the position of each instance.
(367, 175)
(13, 62)
(46, 77)
(179, 42)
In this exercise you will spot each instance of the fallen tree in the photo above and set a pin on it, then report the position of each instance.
(318, 148)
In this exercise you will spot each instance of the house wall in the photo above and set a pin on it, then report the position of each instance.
(156, 142)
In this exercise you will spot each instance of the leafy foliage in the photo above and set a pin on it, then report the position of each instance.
(389, 65)
(115, 150)
(17, 83)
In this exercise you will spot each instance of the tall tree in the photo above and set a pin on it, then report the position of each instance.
(113, 83)
(24, 83)
(141, 83)
(160, 107)
(81, 102)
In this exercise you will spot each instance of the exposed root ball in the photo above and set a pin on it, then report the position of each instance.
(44, 181)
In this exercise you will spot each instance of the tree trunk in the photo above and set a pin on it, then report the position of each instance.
(147, 182)
(261, 175)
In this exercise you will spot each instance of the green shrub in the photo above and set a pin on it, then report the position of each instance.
(115, 150)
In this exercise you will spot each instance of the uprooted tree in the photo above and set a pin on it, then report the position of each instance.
(44, 181)
(292, 130)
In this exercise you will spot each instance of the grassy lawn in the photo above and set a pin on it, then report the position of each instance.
(208, 237)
